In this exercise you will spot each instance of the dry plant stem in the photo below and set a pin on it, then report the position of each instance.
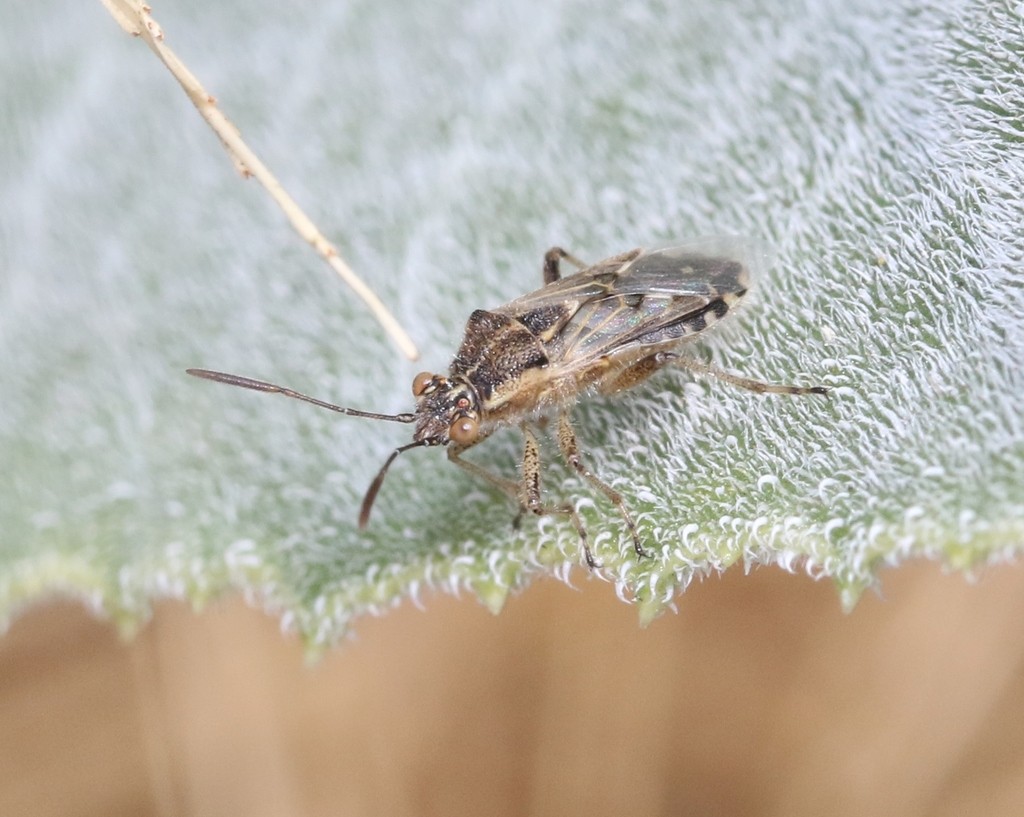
(135, 18)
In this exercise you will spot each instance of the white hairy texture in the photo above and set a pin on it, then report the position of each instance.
(444, 146)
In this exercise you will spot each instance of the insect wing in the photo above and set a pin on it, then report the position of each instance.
(660, 297)
(547, 311)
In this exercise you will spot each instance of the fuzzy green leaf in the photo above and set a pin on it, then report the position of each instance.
(444, 146)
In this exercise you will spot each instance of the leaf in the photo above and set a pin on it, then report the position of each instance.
(444, 147)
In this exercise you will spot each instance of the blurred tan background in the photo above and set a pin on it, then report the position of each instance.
(759, 697)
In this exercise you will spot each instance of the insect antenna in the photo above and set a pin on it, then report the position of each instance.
(262, 385)
(371, 492)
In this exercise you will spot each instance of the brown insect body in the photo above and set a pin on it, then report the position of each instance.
(607, 327)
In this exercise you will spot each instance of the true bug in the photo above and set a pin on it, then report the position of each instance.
(607, 328)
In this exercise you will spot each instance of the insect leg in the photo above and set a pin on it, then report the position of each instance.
(551, 269)
(507, 486)
(570, 450)
(530, 498)
(637, 373)
(758, 386)
(518, 493)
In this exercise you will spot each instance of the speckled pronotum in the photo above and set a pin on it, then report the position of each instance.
(606, 328)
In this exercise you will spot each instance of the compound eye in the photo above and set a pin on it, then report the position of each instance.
(420, 383)
(464, 430)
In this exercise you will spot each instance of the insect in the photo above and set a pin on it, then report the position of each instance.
(605, 328)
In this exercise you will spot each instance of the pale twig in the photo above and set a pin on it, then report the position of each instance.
(135, 18)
